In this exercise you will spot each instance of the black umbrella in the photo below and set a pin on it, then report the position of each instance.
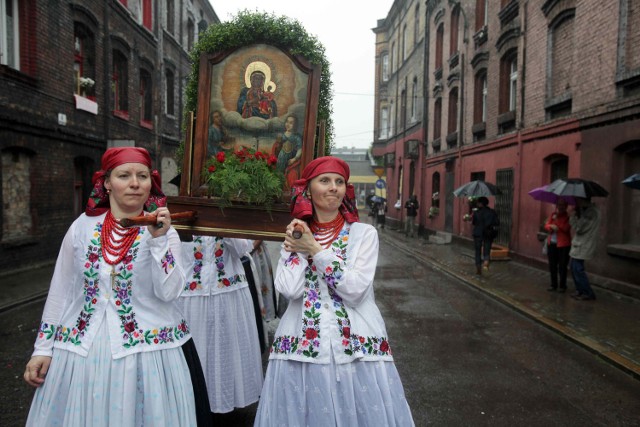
(577, 187)
(477, 189)
(633, 181)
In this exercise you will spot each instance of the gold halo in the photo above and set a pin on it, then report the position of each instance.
(264, 69)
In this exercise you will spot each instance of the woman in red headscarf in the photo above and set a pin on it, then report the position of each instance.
(108, 350)
(331, 363)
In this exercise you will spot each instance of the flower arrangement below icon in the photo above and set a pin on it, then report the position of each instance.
(245, 175)
(433, 211)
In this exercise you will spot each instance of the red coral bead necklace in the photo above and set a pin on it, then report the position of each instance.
(327, 232)
(115, 239)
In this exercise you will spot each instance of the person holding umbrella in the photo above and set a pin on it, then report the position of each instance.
(585, 221)
(485, 225)
(558, 245)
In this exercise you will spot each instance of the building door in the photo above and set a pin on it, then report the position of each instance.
(504, 205)
(448, 200)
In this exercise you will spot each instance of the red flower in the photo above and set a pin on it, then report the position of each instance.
(220, 156)
(193, 285)
(82, 324)
(127, 259)
(118, 303)
(384, 346)
(155, 340)
(311, 334)
(272, 160)
(361, 340)
(226, 282)
(346, 332)
(198, 255)
(93, 257)
(129, 327)
(93, 301)
(218, 253)
(212, 168)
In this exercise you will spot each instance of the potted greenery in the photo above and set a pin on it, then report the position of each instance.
(243, 176)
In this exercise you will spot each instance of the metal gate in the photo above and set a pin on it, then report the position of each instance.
(504, 205)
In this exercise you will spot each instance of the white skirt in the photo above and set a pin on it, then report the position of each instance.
(148, 388)
(299, 394)
(223, 327)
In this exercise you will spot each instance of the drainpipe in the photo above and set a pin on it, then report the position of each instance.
(518, 183)
(106, 81)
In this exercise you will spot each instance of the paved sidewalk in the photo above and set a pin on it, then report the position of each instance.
(609, 326)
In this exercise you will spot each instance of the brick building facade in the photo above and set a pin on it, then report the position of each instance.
(77, 77)
(519, 94)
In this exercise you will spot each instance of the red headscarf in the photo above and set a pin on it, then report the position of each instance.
(302, 208)
(99, 199)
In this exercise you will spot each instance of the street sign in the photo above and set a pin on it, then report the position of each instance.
(380, 183)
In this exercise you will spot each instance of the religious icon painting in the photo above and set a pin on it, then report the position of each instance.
(258, 98)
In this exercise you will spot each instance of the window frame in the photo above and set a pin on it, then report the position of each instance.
(146, 98)
(5, 46)
(119, 90)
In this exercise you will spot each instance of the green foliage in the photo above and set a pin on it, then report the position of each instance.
(248, 28)
(244, 175)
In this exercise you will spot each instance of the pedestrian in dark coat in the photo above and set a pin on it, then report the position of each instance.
(485, 228)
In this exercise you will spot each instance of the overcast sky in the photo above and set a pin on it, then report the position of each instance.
(344, 29)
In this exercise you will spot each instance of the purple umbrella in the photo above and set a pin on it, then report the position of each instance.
(542, 195)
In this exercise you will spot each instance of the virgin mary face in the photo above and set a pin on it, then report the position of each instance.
(257, 80)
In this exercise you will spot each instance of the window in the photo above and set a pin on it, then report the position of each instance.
(508, 82)
(404, 43)
(403, 108)
(119, 80)
(414, 99)
(560, 56)
(146, 14)
(385, 67)
(9, 34)
(437, 119)
(83, 60)
(170, 93)
(392, 120)
(480, 98)
(171, 16)
(384, 123)
(435, 189)
(513, 83)
(393, 62)
(455, 23)
(146, 99)
(481, 14)
(191, 29)
(439, 41)
(416, 26)
(453, 111)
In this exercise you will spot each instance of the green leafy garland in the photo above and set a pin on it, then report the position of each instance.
(248, 28)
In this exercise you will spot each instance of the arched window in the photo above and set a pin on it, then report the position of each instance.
(455, 28)
(17, 222)
(437, 118)
(119, 80)
(439, 43)
(170, 100)
(453, 111)
(480, 97)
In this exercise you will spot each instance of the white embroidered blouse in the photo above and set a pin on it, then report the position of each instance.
(332, 309)
(135, 297)
(213, 265)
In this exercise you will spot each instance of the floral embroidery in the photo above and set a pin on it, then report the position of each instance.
(91, 290)
(168, 262)
(132, 335)
(46, 331)
(293, 260)
(196, 276)
(307, 344)
(224, 282)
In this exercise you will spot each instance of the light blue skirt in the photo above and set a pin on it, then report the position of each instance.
(299, 394)
(149, 388)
